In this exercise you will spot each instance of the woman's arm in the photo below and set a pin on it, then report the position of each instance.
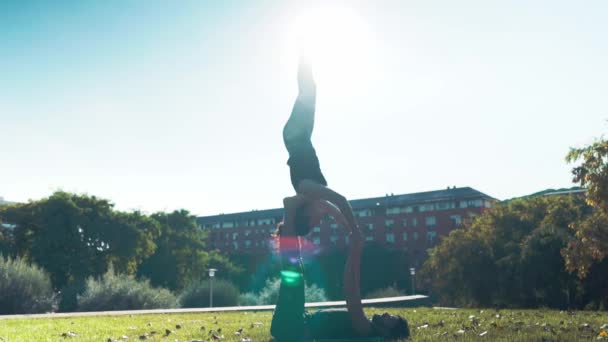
(352, 286)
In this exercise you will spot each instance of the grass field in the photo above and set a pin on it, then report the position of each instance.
(426, 324)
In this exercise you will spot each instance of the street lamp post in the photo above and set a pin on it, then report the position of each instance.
(413, 274)
(211, 275)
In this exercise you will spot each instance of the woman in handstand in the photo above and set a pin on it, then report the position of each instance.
(312, 194)
(313, 199)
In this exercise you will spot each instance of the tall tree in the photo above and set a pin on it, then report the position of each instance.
(75, 236)
(591, 243)
(508, 256)
(181, 256)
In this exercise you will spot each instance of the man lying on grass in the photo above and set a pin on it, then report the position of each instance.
(291, 323)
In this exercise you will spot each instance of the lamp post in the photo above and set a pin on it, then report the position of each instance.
(413, 274)
(211, 275)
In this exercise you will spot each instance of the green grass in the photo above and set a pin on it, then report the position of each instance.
(426, 324)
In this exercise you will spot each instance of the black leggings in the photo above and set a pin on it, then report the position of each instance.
(288, 317)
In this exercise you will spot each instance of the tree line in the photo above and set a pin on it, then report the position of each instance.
(74, 237)
(545, 251)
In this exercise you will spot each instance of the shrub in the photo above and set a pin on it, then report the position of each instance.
(123, 292)
(270, 293)
(385, 292)
(196, 295)
(24, 288)
(248, 299)
(314, 294)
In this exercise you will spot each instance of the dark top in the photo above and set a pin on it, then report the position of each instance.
(303, 162)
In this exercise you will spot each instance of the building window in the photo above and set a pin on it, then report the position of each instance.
(247, 243)
(347, 239)
(316, 229)
(390, 238)
(333, 239)
(426, 207)
(407, 210)
(316, 241)
(393, 211)
(247, 232)
(414, 222)
(457, 219)
(235, 236)
(487, 204)
(463, 204)
(445, 205)
(364, 213)
(236, 245)
(369, 238)
(333, 226)
(389, 223)
(369, 226)
(266, 221)
(415, 236)
(404, 236)
(430, 221)
(216, 225)
(430, 236)
(404, 222)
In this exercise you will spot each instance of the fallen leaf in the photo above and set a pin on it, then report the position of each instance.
(177, 326)
(424, 326)
(483, 333)
(460, 331)
(168, 332)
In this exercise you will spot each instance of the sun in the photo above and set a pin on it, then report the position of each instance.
(339, 43)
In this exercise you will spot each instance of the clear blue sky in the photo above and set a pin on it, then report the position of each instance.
(159, 105)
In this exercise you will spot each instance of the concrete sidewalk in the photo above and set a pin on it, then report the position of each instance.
(403, 301)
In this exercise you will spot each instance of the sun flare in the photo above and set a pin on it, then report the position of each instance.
(338, 41)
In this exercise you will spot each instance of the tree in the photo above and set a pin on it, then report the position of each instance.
(181, 256)
(76, 236)
(508, 256)
(591, 243)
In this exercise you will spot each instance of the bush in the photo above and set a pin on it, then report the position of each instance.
(385, 292)
(314, 294)
(123, 292)
(196, 295)
(248, 299)
(270, 293)
(24, 288)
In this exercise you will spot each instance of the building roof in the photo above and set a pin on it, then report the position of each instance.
(385, 201)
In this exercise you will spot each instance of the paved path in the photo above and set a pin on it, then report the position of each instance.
(403, 301)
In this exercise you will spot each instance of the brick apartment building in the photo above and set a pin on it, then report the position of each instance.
(411, 222)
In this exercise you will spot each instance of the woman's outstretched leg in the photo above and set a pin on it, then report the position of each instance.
(302, 119)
